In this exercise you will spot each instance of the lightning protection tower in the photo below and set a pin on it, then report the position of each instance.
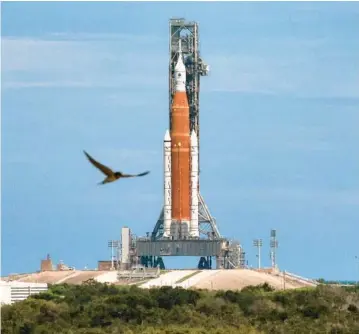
(273, 247)
(258, 243)
(187, 32)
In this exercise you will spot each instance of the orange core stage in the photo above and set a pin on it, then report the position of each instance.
(180, 157)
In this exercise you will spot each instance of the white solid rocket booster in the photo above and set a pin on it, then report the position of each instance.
(167, 215)
(194, 231)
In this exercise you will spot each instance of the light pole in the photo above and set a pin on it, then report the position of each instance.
(258, 243)
(357, 258)
(112, 244)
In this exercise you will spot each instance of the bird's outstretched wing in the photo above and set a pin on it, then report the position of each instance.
(134, 175)
(107, 171)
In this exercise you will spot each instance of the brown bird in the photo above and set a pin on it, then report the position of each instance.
(111, 175)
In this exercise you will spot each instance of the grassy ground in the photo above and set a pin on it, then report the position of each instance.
(188, 276)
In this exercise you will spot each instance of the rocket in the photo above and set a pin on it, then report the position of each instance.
(180, 164)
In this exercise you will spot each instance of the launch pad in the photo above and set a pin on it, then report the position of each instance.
(205, 249)
(206, 241)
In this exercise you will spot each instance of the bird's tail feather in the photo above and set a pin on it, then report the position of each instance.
(143, 174)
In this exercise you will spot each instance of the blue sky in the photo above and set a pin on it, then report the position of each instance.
(279, 128)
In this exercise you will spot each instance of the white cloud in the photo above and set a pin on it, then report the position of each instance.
(82, 60)
(27, 54)
(121, 82)
(129, 38)
(300, 195)
(280, 66)
(48, 84)
(287, 137)
(297, 67)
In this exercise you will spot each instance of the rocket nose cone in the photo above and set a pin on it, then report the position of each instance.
(167, 136)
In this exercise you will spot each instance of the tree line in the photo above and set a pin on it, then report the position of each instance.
(96, 308)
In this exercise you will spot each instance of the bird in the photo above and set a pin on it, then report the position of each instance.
(111, 175)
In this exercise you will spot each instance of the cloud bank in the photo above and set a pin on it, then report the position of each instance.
(316, 67)
(82, 60)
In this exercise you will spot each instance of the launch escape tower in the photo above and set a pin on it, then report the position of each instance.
(184, 42)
